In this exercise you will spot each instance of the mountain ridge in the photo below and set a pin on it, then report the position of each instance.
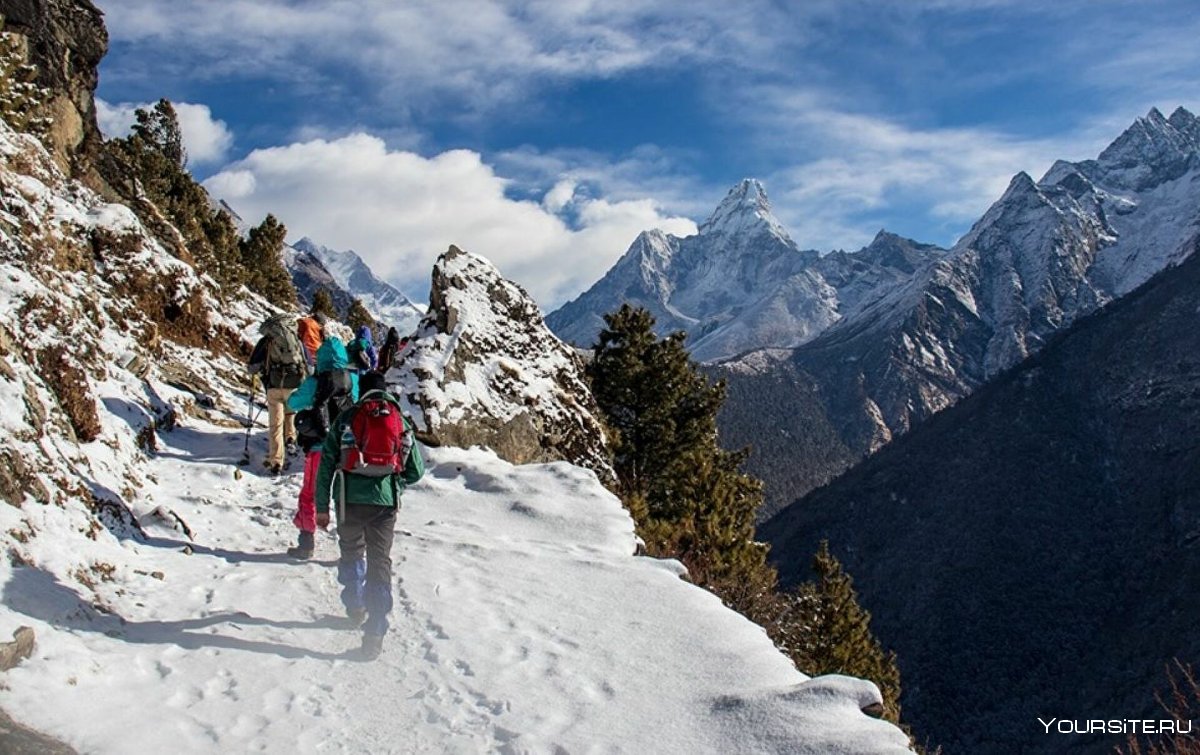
(1043, 255)
(1065, 521)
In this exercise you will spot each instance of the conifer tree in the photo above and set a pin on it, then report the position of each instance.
(322, 303)
(836, 633)
(159, 128)
(687, 495)
(262, 260)
(148, 165)
(357, 316)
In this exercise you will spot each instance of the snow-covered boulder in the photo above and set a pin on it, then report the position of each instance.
(483, 369)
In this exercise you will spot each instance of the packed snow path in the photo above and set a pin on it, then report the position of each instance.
(522, 624)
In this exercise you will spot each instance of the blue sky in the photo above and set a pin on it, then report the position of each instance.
(545, 134)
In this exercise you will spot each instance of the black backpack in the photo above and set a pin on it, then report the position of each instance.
(358, 355)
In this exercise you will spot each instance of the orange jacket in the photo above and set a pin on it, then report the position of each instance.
(309, 333)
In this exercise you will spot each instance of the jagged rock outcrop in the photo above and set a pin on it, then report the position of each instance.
(483, 369)
(65, 40)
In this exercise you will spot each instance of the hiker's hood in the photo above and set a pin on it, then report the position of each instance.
(332, 355)
(364, 332)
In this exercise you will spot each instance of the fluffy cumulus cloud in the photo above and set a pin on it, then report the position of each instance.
(206, 139)
(399, 210)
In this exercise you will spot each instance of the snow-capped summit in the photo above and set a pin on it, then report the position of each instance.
(483, 369)
(1150, 152)
(1045, 254)
(738, 284)
(382, 299)
(745, 211)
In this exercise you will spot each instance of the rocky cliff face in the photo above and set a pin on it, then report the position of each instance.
(1032, 529)
(1045, 254)
(65, 39)
(483, 369)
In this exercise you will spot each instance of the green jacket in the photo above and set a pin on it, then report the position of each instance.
(375, 491)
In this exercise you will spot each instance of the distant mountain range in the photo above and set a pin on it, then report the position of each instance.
(344, 275)
(1035, 549)
(830, 357)
(1045, 254)
(355, 277)
(740, 283)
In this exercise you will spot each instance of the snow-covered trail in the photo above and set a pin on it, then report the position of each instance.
(522, 624)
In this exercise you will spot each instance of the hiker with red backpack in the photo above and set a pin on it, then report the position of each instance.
(278, 359)
(369, 457)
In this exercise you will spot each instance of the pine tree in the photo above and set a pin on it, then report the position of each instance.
(148, 166)
(262, 260)
(323, 303)
(159, 128)
(357, 316)
(835, 631)
(687, 495)
(691, 502)
(661, 409)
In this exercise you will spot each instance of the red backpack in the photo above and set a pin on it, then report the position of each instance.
(373, 444)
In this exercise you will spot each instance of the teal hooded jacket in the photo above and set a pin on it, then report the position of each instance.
(358, 489)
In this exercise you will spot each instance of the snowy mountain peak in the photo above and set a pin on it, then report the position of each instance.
(1184, 121)
(1151, 151)
(383, 300)
(745, 210)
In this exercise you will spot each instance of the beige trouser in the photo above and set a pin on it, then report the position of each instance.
(280, 424)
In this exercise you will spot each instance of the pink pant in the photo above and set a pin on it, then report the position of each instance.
(306, 514)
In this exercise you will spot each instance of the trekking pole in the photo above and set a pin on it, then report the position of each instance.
(251, 419)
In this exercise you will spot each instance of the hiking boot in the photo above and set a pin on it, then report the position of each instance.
(356, 616)
(372, 646)
(304, 549)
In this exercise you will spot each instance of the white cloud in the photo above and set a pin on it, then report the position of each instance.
(399, 210)
(558, 197)
(206, 139)
(469, 54)
(866, 167)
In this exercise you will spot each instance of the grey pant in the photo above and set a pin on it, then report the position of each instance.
(367, 582)
(368, 530)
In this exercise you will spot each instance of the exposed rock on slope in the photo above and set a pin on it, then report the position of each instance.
(1034, 528)
(66, 41)
(483, 369)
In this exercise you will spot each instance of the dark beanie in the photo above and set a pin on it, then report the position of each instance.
(372, 381)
